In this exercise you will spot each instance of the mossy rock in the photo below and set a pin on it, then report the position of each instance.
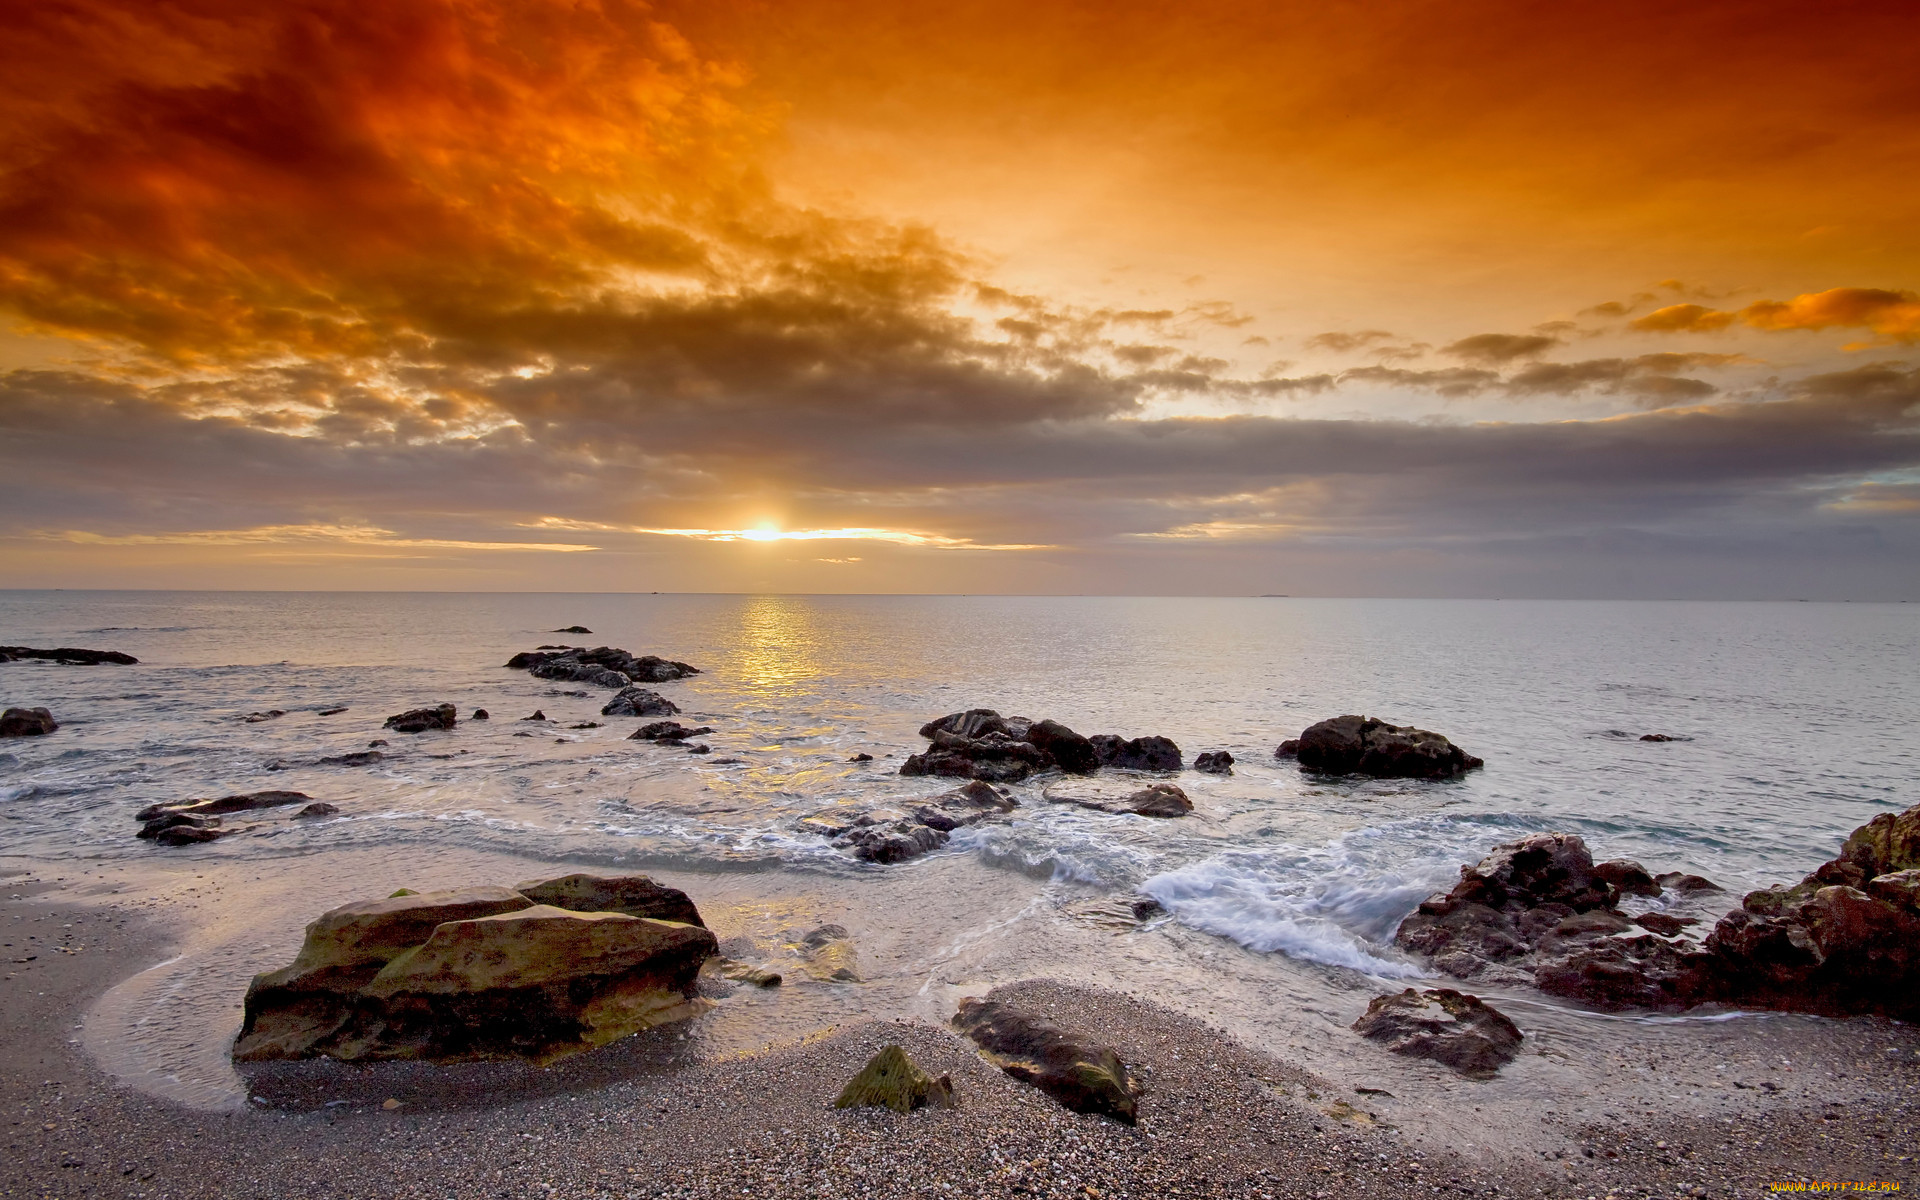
(893, 1080)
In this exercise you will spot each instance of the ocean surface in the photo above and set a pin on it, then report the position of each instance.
(1795, 723)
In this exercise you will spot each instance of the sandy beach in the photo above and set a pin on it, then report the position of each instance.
(1834, 1101)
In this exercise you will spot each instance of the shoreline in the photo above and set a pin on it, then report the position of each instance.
(649, 1118)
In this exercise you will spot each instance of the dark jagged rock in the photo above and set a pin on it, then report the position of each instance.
(1664, 924)
(1145, 907)
(242, 802)
(634, 895)
(27, 722)
(68, 655)
(1074, 1068)
(1659, 737)
(476, 973)
(1355, 745)
(893, 1080)
(538, 715)
(420, 720)
(1626, 877)
(1214, 762)
(1287, 749)
(603, 666)
(1449, 1027)
(480, 714)
(1069, 751)
(895, 835)
(574, 629)
(666, 731)
(319, 808)
(862, 757)
(1136, 754)
(1606, 966)
(639, 702)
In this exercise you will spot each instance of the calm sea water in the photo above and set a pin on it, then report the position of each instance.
(1801, 720)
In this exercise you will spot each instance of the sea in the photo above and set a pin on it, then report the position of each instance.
(1791, 724)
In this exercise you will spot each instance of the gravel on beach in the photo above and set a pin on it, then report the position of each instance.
(650, 1120)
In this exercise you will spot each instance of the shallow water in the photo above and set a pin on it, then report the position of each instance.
(1800, 716)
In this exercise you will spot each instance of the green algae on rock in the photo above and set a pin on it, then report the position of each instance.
(893, 1080)
(1073, 1068)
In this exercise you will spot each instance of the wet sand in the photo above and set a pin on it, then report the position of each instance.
(1816, 1101)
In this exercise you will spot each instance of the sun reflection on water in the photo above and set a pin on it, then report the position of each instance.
(779, 646)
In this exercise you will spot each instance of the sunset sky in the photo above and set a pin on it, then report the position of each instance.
(1475, 298)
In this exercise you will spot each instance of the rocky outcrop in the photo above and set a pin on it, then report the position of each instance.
(603, 666)
(27, 722)
(473, 973)
(574, 629)
(893, 1080)
(1214, 762)
(1448, 1027)
(666, 731)
(195, 821)
(67, 655)
(637, 701)
(420, 720)
(896, 833)
(1074, 1068)
(634, 895)
(1136, 754)
(319, 808)
(1354, 745)
(178, 829)
(981, 744)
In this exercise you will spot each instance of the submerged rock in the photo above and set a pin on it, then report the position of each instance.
(637, 701)
(890, 835)
(27, 722)
(242, 802)
(472, 973)
(666, 731)
(319, 808)
(67, 655)
(1155, 800)
(1449, 1027)
(830, 955)
(1075, 1069)
(420, 720)
(1214, 762)
(272, 714)
(1355, 745)
(893, 1080)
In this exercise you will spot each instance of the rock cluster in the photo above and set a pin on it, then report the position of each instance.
(636, 701)
(981, 744)
(1075, 1069)
(666, 731)
(200, 820)
(602, 666)
(893, 1080)
(1449, 1027)
(420, 720)
(895, 834)
(27, 722)
(482, 973)
(1214, 762)
(1355, 745)
(69, 655)
(1845, 940)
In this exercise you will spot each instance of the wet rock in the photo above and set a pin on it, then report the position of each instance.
(1136, 754)
(1590, 958)
(1662, 737)
(1287, 749)
(829, 955)
(634, 895)
(376, 743)
(27, 722)
(242, 802)
(67, 655)
(1898, 888)
(1355, 745)
(1446, 1026)
(1677, 881)
(639, 702)
(356, 758)
(1156, 800)
(475, 973)
(893, 1080)
(319, 808)
(892, 835)
(603, 666)
(1664, 924)
(862, 757)
(272, 714)
(981, 744)
(480, 714)
(1146, 907)
(666, 731)
(574, 629)
(334, 712)
(538, 715)
(1626, 877)
(420, 720)
(1214, 762)
(174, 828)
(700, 748)
(1072, 1067)
(1067, 750)
(758, 976)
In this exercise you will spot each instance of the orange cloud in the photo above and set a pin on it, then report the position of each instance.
(1892, 315)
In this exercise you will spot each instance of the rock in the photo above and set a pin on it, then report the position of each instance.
(1541, 868)
(1082, 1074)
(1354, 745)
(538, 715)
(1156, 800)
(749, 973)
(574, 629)
(67, 655)
(272, 714)
(1888, 843)
(1214, 762)
(1626, 877)
(634, 895)
(862, 757)
(1613, 971)
(700, 748)
(356, 758)
(480, 714)
(639, 702)
(1676, 881)
(603, 666)
(334, 712)
(474, 973)
(27, 722)
(419, 720)
(1146, 907)
(892, 1080)
(376, 743)
(1898, 888)
(1661, 737)
(1068, 750)
(980, 744)
(1449, 1027)
(1664, 924)
(190, 834)
(890, 836)
(585, 725)
(1136, 754)
(243, 802)
(830, 955)
(666, 731)
(1288, 749)
(319, 808)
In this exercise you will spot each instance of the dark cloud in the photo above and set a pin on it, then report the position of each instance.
(1498, 349)
(1346, 343)
(1452, 382)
